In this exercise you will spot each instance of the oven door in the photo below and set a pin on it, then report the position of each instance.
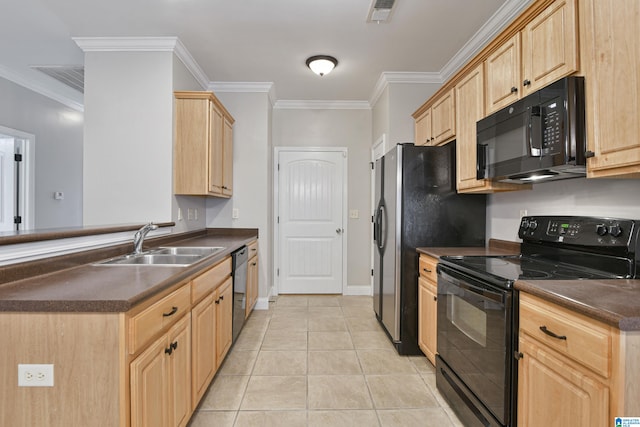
(475, 340)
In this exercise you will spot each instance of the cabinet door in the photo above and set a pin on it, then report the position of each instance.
(150, 386)
(469, 109)
(216, 153)
(191, 146)
(427, 312)
(179, 368)
(443, 118)
(609, 30)
(224, 319)
(203, 347)
(553, 392)
(502, 74)
(423, 129)
(550, 46)
(252, 285)
(227, 167)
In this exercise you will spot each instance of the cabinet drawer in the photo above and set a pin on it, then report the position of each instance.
(253, 249)
(428, 268)
(155, 318)
(584, 340)
(208, 281)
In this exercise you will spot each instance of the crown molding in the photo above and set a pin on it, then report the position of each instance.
(145, 44)
(403, 77)
(245, 87)
(72, 98)
(498, 21)
(321, 105)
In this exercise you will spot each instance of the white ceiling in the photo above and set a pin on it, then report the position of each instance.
(259, 40)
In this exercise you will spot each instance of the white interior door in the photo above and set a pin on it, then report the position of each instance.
(311, 187)
(7, 184)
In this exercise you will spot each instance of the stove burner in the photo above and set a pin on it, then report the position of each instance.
(535, 274)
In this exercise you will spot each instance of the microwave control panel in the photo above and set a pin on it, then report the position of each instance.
(552, 127)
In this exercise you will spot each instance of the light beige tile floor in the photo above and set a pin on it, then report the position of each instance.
(321, 361)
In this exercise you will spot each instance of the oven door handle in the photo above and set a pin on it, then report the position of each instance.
(477, 290)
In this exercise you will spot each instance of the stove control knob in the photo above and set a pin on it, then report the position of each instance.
(602, 230)
(524, 224)
(615, 230)
(533, 224)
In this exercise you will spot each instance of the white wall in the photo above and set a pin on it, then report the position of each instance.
(339, 128)
(404, 100)
(252, 171)
(128, 138)
(581, 196)
(58, 151)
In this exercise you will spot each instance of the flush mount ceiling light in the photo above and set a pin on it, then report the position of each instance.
(322, 64)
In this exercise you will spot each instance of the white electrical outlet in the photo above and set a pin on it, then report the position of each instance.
(35, 375)
(354, 214)
(189, 214)
(179, 214)
(523, 212)
(195, 214)
(235, 213)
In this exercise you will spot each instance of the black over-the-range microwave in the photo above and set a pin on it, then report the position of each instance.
(541, 137)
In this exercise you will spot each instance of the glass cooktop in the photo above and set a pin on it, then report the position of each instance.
(518, 267)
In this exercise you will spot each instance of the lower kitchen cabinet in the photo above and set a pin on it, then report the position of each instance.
(161, 380)
(224, 320)
(203, 347)
(573, 370)
(252, 278)
(428, 307)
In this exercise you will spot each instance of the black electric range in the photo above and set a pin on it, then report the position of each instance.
(478, 309)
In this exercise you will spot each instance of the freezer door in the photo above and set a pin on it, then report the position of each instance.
(390, 259)
(377, 239)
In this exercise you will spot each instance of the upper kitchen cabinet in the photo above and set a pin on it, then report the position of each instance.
(436, 121)
(469, 94)
(203, 151)
(611, 58)
(545, 50)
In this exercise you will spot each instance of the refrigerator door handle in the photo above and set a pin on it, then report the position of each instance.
(382, 231)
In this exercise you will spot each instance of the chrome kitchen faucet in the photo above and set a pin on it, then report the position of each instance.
(138, 238)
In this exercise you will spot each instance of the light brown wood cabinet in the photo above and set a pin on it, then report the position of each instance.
(545, 50)
(435, 124)
(611, 58)
(428, 307)
(203, 347)
(252, 278)
(161, 380)
(203, 146)
(573, 370)
(224, 319)
(469, 93)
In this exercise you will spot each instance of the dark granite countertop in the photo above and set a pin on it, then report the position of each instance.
(615, 302)
(101, 288)
(495, 247)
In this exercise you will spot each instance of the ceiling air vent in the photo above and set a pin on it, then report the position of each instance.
(70, 75)
(380, 10)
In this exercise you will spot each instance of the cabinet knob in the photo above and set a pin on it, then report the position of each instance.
(514, 89)
(589, 154)
(435, 298)
(217, 301)
(518, 355)
(526, 82)
(168, 350)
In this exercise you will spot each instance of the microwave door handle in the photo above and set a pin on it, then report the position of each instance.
(481, 164)
(534, 131)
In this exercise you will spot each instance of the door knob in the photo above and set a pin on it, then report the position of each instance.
(339, 230)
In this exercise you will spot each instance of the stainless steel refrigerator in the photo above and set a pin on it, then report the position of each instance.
(416, 206)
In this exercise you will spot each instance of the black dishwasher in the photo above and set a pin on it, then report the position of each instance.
(239, 272)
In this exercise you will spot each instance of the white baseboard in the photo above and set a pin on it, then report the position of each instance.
(358, 290)
(262, 304)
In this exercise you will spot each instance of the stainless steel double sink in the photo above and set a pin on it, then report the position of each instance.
(171, 256)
